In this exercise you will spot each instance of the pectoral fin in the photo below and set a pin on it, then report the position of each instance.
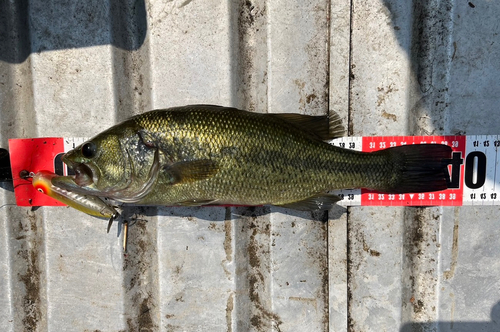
(314, 203)
(190, 171)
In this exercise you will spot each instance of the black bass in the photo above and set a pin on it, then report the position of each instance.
(212, 155)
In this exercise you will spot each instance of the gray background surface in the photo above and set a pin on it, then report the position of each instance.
(387, 67)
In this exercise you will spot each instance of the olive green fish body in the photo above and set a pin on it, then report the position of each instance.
(197, 155)
(259, 160)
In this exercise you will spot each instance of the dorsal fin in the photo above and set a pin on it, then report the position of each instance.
(323, 127)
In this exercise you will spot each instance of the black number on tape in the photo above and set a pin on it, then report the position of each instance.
(454, 162)
(478, 158)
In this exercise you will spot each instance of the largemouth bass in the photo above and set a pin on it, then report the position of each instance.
(212, 155)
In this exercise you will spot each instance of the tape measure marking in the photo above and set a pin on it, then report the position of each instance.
(450, 197)
(473, 169)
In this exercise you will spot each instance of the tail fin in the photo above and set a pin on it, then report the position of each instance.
(417, 168)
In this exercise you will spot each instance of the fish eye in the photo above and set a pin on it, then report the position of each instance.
(89, 150)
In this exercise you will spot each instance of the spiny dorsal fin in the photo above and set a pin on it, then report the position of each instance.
(323, 127)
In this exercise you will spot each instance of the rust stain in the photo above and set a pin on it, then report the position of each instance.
(454, 249)
(138, 268)
(145, 320)
(418, 306)
(228, 239)
(31, 279)
(228, 244)
(383, 93)
(262, 318)
(310, 98)
(307, 300)
(366, 248)
(389, 116)
(229, 312)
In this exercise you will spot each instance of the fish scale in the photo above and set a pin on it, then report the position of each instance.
(224, 156)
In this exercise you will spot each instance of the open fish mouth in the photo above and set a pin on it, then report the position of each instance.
(83, 175)
(83, 180)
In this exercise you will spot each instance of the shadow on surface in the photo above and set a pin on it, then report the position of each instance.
(442, 326)
(30, 27)
(209, 212)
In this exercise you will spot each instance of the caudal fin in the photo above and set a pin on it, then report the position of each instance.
(417, 168)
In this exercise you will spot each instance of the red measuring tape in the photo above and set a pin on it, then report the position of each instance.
(472, 169)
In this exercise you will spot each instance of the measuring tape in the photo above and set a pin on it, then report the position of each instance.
(33, 155)
(473, 172)
(473, 169)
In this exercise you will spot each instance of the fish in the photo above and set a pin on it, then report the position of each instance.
(92, 205)
(200, 155)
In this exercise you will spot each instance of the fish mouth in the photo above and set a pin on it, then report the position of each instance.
(83, 175)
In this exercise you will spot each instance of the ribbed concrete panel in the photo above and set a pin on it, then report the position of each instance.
(386, 67)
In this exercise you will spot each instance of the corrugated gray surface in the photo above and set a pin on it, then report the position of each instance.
(389, 68)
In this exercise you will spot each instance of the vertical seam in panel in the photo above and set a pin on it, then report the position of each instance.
(7, 252)
(328, 51)
(350, 127)
(350, 130)
(45, 283)
(268, 60)
(450, 52)
(326, 279)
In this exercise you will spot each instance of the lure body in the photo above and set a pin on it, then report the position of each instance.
(92, 205)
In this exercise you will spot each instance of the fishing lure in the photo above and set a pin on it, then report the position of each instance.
(92, 205)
